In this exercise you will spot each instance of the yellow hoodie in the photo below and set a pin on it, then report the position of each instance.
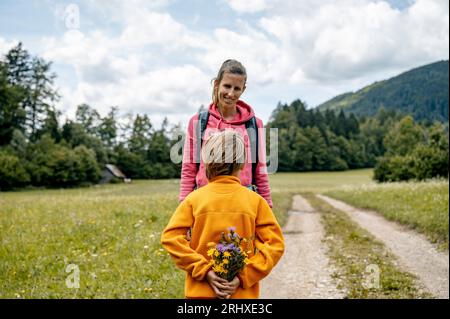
(209, 211)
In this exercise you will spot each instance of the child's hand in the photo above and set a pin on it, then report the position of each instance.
(232, 286)
(188, 234)
(219, 285)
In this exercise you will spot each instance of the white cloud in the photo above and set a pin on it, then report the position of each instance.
(129, 70)
(254, 50)
(248, 6)
(157, 65)
(5, 45)
(345, 40)
(173, 91)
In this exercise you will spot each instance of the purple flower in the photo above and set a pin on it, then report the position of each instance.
(232, 229)
(221, 248)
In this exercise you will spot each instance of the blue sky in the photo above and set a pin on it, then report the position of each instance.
(158, 57)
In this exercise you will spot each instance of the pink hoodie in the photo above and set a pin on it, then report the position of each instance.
(189, 174)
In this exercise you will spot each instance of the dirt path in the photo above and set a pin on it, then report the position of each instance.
(304, 271)
(415, 253)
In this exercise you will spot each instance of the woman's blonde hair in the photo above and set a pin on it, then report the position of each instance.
(229, 66)
(223, 153)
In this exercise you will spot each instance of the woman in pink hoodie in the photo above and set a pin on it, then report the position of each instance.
(225, 112)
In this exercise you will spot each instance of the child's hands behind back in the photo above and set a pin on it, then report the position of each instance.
(221, 287)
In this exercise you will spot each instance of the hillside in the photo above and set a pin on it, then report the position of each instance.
(421, 92)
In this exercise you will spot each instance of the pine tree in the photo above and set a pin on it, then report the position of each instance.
(108, 128)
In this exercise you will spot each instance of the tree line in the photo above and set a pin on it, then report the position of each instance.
(393, 143)
(37, 149)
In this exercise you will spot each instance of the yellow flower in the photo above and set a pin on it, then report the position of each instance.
(218, 269)
(226, 261)
(226, 254)
(216, 253)
(211, 252)
(246, 261)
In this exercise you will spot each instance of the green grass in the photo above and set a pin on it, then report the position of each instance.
(422, 206)
(318, 181)
(110, 232)
(352, 250)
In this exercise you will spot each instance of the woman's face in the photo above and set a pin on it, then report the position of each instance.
(230, 89)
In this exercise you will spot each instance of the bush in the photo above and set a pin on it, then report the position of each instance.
(57, 165)
(429, 162)
(88, 166)
(394, 168)
(12, 172)
(159, 170)
(65, 167)
(424, 162)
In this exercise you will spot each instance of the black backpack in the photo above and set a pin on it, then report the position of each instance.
(252, 131)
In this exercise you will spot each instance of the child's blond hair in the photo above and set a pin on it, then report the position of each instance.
(223, 153)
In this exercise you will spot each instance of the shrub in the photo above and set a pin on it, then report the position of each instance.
(12, 172)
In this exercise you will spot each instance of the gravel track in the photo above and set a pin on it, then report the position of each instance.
(414, 252)
(304, 271)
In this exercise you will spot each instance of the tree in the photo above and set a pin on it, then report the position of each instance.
(403, 137)
(74, 134)
(341, 121)
(158, 149)
(88, 118)
(12, 172)
(12, 113)
(31, 85)
(141, 135)
(108, 128)
(89, 170)
(18, 65)
(318, 148)
(18, 144)
(41, 95)
(50, 125)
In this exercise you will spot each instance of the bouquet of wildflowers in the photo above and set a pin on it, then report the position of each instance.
(228, 257)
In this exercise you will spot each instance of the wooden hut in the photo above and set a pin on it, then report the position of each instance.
(111, 171)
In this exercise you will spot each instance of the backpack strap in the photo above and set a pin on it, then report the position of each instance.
(252, 131)
(200, 132)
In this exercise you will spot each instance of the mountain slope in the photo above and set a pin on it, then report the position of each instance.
(421, 92)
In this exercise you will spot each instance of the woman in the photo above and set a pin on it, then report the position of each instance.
(226, 111)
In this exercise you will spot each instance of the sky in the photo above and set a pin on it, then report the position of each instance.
(158, 57)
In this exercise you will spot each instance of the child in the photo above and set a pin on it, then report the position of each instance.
(213, 208)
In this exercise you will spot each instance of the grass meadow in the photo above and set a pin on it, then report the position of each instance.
(109, 236)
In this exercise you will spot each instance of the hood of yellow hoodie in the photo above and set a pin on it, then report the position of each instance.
(244, 113)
